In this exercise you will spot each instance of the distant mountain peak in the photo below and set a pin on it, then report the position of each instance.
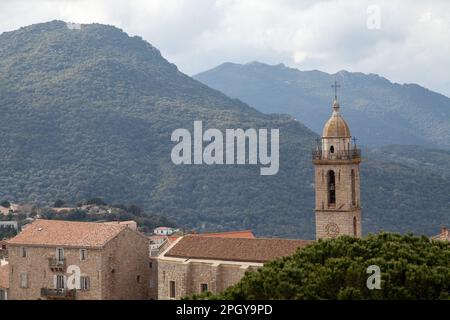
(379, 111)
(89, 112)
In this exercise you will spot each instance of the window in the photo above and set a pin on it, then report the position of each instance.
(2, 294)
(150, 264)
(23, 252)
(331, 188)
(60, 282)
(60, 254)
(83, 254)
(138, 279)
(203, 287)
(355, 226)
(331, 149)
(353, 187)
(172, 289)
(85, 283)
(24, 280)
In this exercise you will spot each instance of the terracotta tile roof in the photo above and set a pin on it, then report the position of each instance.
(234, 249)
(172, 238)
(248, 234)
(4, 276)
(67, 233)
(130, 223)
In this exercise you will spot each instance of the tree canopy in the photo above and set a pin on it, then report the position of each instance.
(411, 268)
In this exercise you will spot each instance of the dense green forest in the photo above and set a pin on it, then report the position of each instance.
(411, 267)
(89, 113)
(7, 232)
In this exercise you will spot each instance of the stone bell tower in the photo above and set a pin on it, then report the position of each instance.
(337, 179)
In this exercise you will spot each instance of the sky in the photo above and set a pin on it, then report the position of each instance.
(405, 41)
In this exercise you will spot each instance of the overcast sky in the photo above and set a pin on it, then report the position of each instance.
(405, 41)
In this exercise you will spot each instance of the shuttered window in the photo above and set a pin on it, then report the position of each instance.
(172, 289)
(24, 280)
(60, 281)
(85, 283)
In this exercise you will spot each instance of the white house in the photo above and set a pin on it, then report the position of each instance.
(9, 224)
(164, 231)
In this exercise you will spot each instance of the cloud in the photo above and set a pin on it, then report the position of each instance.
(411, 45)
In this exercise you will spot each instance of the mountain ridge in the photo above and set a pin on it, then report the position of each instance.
(380, 112)
(89, 113)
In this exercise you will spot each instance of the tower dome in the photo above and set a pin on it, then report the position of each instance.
(336, 127)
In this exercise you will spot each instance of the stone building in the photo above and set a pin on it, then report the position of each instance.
(196, 263)
(337, 180)
(159, 244)
(53, 259)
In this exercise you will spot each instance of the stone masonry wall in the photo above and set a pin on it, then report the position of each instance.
(127, 272)
(36, 265)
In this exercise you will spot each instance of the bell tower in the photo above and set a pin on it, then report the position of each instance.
(337, 179)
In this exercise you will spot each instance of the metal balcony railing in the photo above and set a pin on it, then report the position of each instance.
(55, 263)
(336, 155)
(58, 293)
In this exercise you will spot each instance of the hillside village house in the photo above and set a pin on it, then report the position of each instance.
(11, 224)
(164, 231)
(196, 263)
(112, 259)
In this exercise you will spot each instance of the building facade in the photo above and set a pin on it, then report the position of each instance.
(337, 180)
(53, 259)
(195, 264)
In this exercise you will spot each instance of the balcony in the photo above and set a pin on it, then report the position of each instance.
(58, 294)
(352, 154)
(57, 264)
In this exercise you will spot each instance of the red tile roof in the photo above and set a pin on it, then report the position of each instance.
(67, 233)
(248, 234)
(258, 250)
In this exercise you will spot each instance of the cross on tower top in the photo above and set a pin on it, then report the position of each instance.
(335, 86)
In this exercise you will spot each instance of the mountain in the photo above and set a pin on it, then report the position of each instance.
(89, 113)
(426, 159)
(378, 111)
